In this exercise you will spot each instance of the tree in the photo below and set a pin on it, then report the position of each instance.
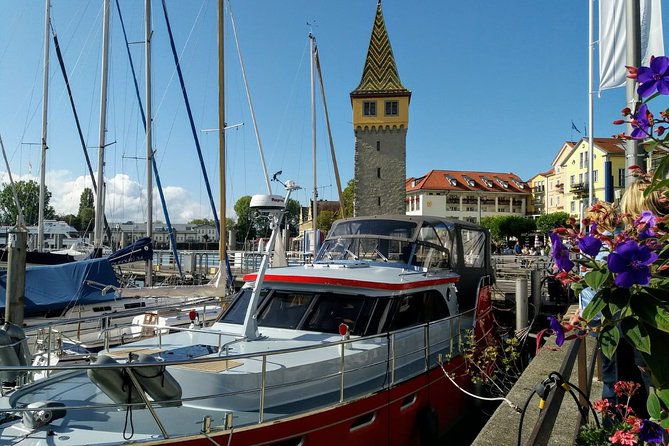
(292, 218)
(86, 214)
(492, 223)
(325, 219)
(515, 226)
(349, 195)
(245, 227)
(203, 221)
(547, 222)
(28, 193)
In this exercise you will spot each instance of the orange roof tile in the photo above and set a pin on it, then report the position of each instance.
(468, 181)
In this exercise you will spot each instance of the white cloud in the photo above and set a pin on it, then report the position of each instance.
(125, 197)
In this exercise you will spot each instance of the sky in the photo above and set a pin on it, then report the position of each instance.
(495, 87)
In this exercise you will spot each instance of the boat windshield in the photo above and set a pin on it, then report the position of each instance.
(396, 229)
(368, 249)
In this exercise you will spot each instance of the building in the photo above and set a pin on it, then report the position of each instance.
(468, 196)
(556, 179)
(380, 121)
(538, 186)
(608, 173)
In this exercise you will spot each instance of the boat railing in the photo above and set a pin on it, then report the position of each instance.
(394, 357)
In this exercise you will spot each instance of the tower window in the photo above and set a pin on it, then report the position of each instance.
(378, 146)
(378, 200)
(369, 108)
(378, 172)
(392, 108)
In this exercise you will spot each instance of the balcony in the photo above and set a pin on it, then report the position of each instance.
(578, 188)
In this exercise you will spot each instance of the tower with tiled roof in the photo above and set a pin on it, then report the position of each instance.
(380, 122)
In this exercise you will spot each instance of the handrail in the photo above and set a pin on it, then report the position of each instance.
(345, 345)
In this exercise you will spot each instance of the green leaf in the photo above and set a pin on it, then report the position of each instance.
(618, 299)
(595, 279)
(595, 306)
(636, 333)
(653, 406)
(608, 340)
(651, 310)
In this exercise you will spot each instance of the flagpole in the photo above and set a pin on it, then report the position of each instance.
(633, 59)
(591, 113)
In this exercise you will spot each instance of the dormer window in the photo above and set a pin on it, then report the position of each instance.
(470, 181)
(504, 184)
(452, 180)
(518, 184)
(487, 181)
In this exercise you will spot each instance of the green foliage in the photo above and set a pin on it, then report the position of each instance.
(28, 194)
(245, 215)
(349, 196)
(502, 226)
(325, 219)
(547, 222)
(86, 214)
(492, 223)
(292, 218)
(204, 221)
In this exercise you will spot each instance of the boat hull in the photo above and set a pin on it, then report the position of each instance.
(411, 413)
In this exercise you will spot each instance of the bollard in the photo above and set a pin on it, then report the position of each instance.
(536, 290)
(521, 304)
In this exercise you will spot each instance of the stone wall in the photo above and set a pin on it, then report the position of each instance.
(380, 192)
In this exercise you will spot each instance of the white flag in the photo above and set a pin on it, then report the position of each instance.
(613, 35)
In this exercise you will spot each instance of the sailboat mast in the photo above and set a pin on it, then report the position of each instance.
(314, 211)
(221, 133)
(99, 200)
(149, 148)
(45, 105)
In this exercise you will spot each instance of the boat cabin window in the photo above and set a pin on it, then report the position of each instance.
(237, 310)
(379, 227)
(474, 246)
(285, 309)
(370, 249)
(419, 308)
(333, 310)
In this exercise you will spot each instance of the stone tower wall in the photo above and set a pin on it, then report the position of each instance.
(383, 149)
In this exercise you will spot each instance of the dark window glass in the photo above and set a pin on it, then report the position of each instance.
(378, 172)
(378, 146)
(369, 108)
(237, 311)
(285, 309)
(392, 108)
(331, 310)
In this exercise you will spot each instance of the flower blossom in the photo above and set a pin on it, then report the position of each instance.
(631, 263)
(623, 437)
(648, 220)
(654, 78)
(650, 432)
(560, 253)
(626, 388)
(590, 244)
(641, 123)
(557, 330)
(601, 406)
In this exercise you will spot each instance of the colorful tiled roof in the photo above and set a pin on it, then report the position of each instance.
(380, 74)
(458, 180)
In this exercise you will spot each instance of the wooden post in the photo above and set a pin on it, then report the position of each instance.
(16, 275)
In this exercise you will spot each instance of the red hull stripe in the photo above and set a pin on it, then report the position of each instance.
(351, 283)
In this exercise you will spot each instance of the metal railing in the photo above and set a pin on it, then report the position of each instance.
(405, 359)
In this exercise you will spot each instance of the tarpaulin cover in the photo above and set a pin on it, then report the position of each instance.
(141, 249)
(56, 287)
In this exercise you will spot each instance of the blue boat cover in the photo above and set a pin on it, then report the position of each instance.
(56, 287)
(140, 249)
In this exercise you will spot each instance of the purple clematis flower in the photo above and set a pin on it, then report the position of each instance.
(641, 124)
(630, 261)
(590, 245)
(650, 432)
(654, 78)
(557, 330)
(560, 253)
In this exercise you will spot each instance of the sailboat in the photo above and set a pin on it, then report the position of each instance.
(357, 346)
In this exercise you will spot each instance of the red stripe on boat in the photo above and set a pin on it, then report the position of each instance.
(349, 282)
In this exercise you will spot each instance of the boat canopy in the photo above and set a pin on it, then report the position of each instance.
(56, 287)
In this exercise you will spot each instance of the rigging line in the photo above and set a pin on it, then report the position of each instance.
(61, 62)
(248, 97)
(179, 57)
(12, 29)
(192, 123)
